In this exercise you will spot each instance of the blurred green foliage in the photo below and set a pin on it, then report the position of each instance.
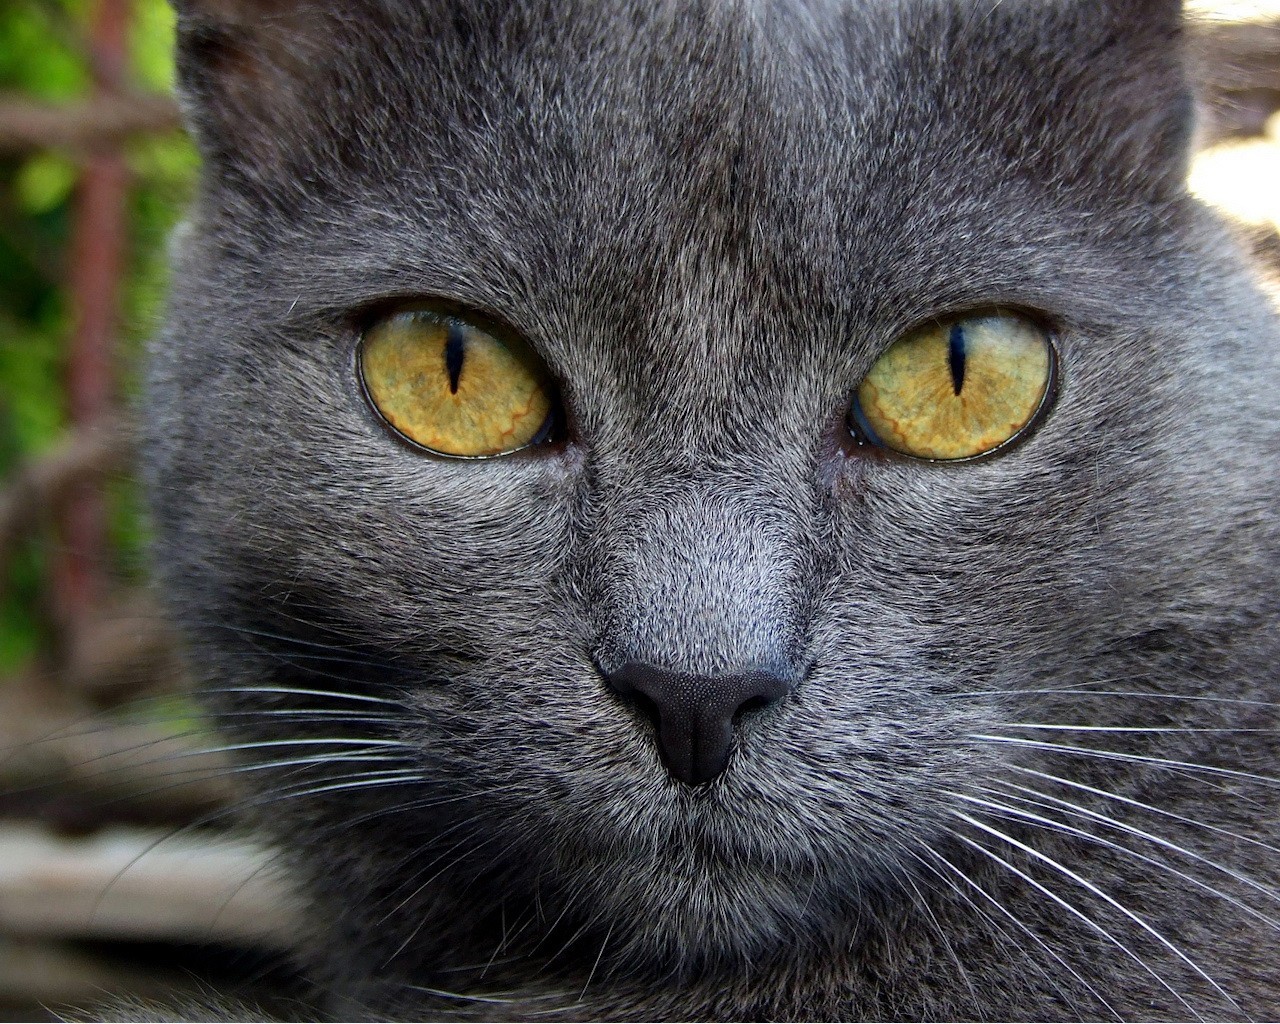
(43, 57)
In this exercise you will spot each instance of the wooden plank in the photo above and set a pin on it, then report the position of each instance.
(140, 885)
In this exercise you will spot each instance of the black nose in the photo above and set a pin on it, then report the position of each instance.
(695, 713)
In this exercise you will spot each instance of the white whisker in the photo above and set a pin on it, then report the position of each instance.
(1114, 755)
(1148, 836)
(306, 742)
(1082, 692)
(1063, 827)
(460, 996)
(453, 862)
(302, 692)
(1059, 727)
(1020, 925)
(596, 965)
(1102, 895)
(363, 780)
(1130, 801)
(922, 904)
(1077, 913)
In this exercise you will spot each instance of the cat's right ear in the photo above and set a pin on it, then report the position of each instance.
(249, 72)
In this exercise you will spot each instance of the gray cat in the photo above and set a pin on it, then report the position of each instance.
(730, 510)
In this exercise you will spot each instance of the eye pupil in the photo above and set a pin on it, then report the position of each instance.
(955, 356)
(455, 350)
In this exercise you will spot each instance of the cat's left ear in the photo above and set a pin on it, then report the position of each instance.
(1128, 85)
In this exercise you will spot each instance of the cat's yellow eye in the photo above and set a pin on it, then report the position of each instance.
(958, 388)
(453, 387)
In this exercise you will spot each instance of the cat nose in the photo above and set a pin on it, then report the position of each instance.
(695, 713)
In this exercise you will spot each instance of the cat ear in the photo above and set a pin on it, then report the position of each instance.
(249, 72)
(1134, 91)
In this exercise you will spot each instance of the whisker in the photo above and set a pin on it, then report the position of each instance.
(60, 734)
(416, 874)
(1020, 925)
(140, 713)
(446, 867)
(183, 773)
(161, 737)
(1083, 692)
(1063, 827)
(303, 692)
(304, 742)
(310, 665)
(367, 743)
(1105, 897)
(299, 763)
(346, 757)
(577, 933)
(292, 641)
(551, 930)
(468, 823)
(313, 715)
(1114, 755)
(596, 965)
(1075, 912)
(919, 901)
(461, 997)
(204, 820)
(1059, 727)
(320, 759)
(505, 998)
(1049, 776)
(361, 781)
(1150, 837)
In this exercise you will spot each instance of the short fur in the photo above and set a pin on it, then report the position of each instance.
(710, 218)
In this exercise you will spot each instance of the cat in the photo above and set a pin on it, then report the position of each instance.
(729, 509)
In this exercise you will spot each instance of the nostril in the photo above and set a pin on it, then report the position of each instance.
(763, 688)
(646, 705)
(752, 704)
(695, 714)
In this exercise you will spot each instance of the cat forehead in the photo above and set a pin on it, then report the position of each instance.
(486, 29)
(706, 159)
(656, 59)
(385, 67)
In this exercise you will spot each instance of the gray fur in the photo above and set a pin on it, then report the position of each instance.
(710, 218)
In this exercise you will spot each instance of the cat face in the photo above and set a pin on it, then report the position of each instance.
(708, 222)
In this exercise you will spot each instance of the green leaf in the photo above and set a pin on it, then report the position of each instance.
(151, 43)
(44, 182)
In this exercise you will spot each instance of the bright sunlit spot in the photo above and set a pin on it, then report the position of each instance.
(1242, 178)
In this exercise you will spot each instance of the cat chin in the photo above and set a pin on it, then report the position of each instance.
(687, 917)
(679, 918)
(725, 894)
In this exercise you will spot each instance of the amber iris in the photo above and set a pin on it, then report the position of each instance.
(453, 387)
(957, 388)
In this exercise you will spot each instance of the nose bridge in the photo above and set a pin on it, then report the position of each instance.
(704, 580)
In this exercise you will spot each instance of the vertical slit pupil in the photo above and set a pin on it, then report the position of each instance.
(455, 350)
(955, 356)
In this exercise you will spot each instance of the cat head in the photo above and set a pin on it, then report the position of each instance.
(708, 222)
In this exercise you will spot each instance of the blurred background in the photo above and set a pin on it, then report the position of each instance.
(118, 867)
